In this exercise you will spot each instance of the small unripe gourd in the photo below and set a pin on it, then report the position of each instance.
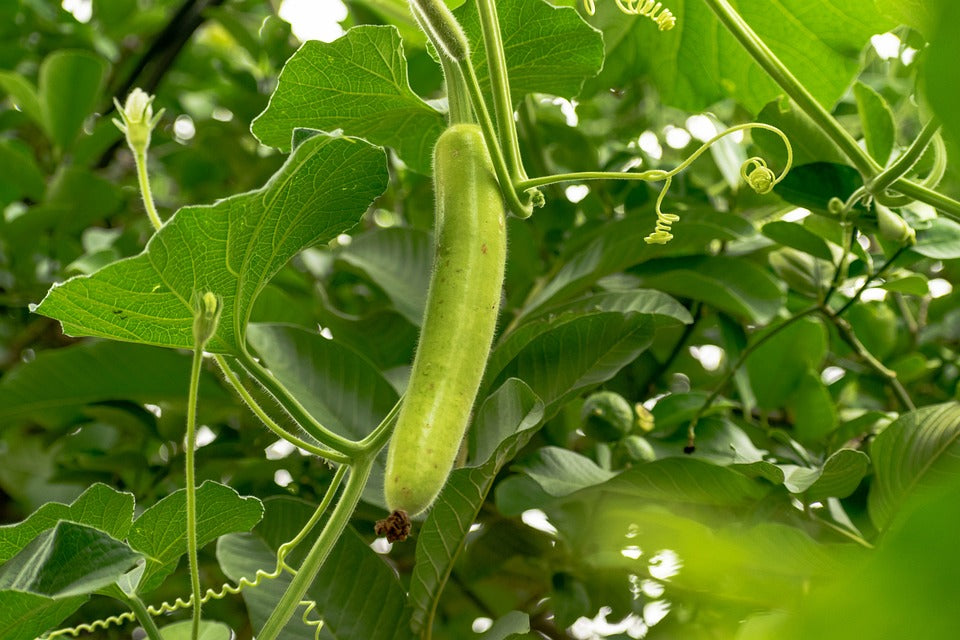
(459, 323)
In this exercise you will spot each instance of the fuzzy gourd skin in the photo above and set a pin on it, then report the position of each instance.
(459, 323)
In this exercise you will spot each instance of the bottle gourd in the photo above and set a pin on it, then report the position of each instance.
(459, 323)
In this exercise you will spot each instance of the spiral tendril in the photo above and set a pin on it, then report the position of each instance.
(661, 234)
(652, 9)
(756, 174)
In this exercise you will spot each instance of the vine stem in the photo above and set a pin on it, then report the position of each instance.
(906, 160)
(143, 178)
(258, 411)
(500, 85)
(865, 164)
(748, 350)
(866, 284)
(320, 550)
(296, 410)
(143, 617)
(848, 336)
(659, 174)
(191, 487)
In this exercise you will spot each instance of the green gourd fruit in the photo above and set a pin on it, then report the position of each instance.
(459, 323)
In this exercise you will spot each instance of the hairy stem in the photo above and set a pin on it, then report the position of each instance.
(500, 86)
(191, 487)
(140, 159)
(296, 410)
(143, 617)
(320, 550)
(268, 422)
(906, 160)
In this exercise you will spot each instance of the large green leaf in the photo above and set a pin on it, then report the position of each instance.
(646, 301)
(232, 248)
(336, 385)
(699, 62)
(160, 533)
(560, 471)
(620, 244)
(398, 261)
(563, 357)
(839, 476)
(941, 85)
(100, 507)
(940, 241)
(208, 631)
(68, 560)
(909, 455)
(513, 412)
(791, 353)
(548, 49)
(876, 118)
(68, 90)
(55, 386)
(24, 616)
(358, 83)
(357, 594)
(734, 285)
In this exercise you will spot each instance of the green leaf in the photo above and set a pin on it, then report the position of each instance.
(68, 560)
(548, 49)
(811, 186)
(514, 411)
(699, 63)
(619, 245)
(909, 455)
(398, 261)
(569, 355)
(23, 94)
(68, 89)
(208, 631)
(736, 286)
(942, 90)
(791, 353)
(940, 241)
(685, 481)
(506, 626)
(560, 472)
(813, 409)
(841, 475)
(232, 248)
(99, 507)
(914, 284)
(809, 142)
(55, 386)
(24, 616)
(160, 533)
(919, 14)
(645, 301)
(337, 386)
(876, 117)
(357, 83)
(19, 174)
(370, 604)
(797, 236)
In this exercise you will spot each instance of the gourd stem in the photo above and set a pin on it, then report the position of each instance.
(143, 178)
(865, 164)
(500, 86)
(655, 175)
(319, 551)
(906, 160)
(268, 422)
(379, 436)
(191, 487)
(296, 410)
(458, 97)
(143, 617)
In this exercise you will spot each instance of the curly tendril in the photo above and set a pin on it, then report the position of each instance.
(754, 172)
(648, 8)
(228, 589)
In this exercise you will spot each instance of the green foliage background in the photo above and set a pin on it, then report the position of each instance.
(814, 490)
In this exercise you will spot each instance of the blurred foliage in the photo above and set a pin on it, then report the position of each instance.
(796, 510)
